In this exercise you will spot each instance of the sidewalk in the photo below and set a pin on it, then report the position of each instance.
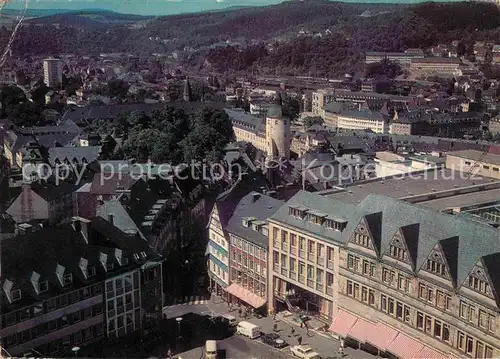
(322, 342)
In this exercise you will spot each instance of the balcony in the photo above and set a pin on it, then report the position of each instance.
(302, 279)
(329, 264)
(302, 253)
(310, 283)
(329, 290)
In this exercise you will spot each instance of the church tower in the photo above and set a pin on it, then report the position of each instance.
(278, 134)
(187, 95)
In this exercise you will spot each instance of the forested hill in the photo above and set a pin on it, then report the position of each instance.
(347, 30)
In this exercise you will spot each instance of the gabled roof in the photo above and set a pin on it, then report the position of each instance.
(256, 205)
(88, 153)
(475, 239)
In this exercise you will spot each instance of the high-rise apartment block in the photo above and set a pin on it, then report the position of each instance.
(52, 72)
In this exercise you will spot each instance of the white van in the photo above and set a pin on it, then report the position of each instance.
(211, 349)
(229, 319)
(248, 329)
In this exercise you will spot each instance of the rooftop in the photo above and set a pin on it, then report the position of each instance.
(477, 156)
(422, 186)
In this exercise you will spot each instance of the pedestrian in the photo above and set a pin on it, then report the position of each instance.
(293, 331)
(169, 353)
(299, 340)
(274, 315)
(275, 327)
(239, 312)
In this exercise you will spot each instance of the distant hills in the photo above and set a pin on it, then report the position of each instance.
(315, 35)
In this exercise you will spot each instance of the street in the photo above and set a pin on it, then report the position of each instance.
(241, 347)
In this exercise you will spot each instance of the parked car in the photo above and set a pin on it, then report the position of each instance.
(274, 340)
(304, 351)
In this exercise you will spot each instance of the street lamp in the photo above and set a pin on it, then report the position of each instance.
(75, 350)
(179, 320)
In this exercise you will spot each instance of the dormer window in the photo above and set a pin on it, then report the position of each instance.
(143, 254)
(16, 295)
(316, 218)
(91, 271)
(110, 266)
(124, 261)
(335, 224)
(67, 279)
(298, 212)
(43, 286)
(136, 256)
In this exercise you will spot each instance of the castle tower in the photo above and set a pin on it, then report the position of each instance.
(187, 96)
(278, 137)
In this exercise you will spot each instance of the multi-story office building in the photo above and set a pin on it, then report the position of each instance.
(52, 72)
(72, 285)
(395, 277)
(363, 120)
(248, 237)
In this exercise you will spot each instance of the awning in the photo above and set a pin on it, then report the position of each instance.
(405, 347)
(245, 295)
(429, 353)
(342, 323)
(382, 336)
(361, 329)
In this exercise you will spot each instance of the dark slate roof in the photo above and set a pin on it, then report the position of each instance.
(255, 205)
(42, 250)
(247, 121)
(367, 115)
(88, 153)
(475, 240)
(227, 201)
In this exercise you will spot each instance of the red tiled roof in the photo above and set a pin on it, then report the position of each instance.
(429, 353)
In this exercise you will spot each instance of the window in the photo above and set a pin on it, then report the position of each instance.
(399, 311)
(371, 297)
(397, 252)
(483, 319)
(488, 352)
(479, 349)
(388, 275)
(362, 240)
(383, 302)
(356, 290)
(461, 341)
(67, 279)
(446, 333)
(420, 321)
(467, 311)
(43, 286)
(16, 295)
(391, 306)
(63, 321)
(350, 261)
(478, 285)
(364, 294)
(469, 345)
(438, 329)
(38, 309)
(350, 288)
(430, 295)
(91, 271)
(436, 267)
(428, 324)
(422, 291)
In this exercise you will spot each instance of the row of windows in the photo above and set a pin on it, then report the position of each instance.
(436, 268)
(254, 285)
(426, 323)
(51, 304)
(362, 266)
(479, 285)
(124, 323)
(337, 225)
(217, 270)
(434, 297)
(253, 264)
(362, 240)
(120, 285)
(403, 283)
(472, 346)
(250, 248)
(315, 251)
(43, 286)
(366, 295)
(482, 319)
(53, 325)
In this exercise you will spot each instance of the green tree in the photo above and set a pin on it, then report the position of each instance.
(313, 120)
(118, 88)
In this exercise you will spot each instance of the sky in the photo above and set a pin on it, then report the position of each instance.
(140, 7)
(152, 7)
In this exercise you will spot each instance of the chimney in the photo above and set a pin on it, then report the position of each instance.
(110, 218)
(255, 197)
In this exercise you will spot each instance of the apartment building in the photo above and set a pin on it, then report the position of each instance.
(72, 285)
(396, 278)
(474, 162)
(248, 237)
(441, 65)
(52, 72)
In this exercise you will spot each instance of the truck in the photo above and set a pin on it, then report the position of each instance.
(304, 352)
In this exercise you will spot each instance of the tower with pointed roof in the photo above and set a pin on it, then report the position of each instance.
(187, 95)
